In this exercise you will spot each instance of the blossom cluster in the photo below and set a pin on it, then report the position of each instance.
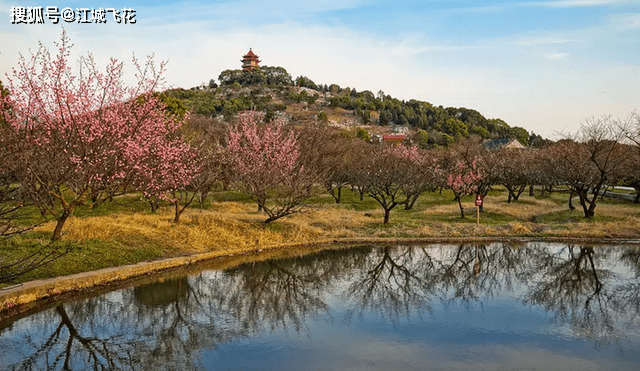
(37, 15)
(263, 155)
(463, 180)
(265, 160)
(75, 136)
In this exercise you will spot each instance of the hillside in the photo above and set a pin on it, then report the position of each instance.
(272, 90)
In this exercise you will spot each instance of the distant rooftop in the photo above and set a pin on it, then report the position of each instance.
(495, 144)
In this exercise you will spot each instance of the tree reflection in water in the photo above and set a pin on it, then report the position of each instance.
(392, 282)
(570, 283)
(592, 293)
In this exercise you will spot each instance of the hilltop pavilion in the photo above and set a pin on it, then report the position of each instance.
(250, 61)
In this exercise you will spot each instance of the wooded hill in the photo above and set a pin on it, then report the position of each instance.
(272, 90)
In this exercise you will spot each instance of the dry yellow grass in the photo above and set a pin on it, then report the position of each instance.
(228, 227)
(630, 228)
(522, 210)
(448, 209)
(616, 211)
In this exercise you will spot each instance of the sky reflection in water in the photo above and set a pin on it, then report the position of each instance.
(533, 306)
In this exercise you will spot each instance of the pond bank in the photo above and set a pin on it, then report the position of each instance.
(23, 298)
(121, 243)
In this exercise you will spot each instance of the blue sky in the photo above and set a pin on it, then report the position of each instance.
(542, 65)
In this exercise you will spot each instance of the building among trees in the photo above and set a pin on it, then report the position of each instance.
(496, 144)
(393, 138)
(250, 61)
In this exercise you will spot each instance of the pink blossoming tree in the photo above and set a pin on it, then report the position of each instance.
(167, 172)
(82, 134)
(463, 180)
(265, 163)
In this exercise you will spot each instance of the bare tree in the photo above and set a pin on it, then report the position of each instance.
(384, 181)
(357, 166)
(513, 170)
(591, 160)
(327, 153)
(631, 129)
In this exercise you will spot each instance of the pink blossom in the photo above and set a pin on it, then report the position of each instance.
(91, 133)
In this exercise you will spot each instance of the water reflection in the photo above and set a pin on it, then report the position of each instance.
(585, 296)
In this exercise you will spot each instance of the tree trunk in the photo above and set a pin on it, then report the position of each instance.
(337, 197)
(571, 207)
(588, 207)
(184, 196)
(410, 202)
(603, 192)
(154, 204)
(176, 217)
(272, 217)
(591, 211)
(94, 200)
(516, 197)
(203, 196)
(531, 191)
(386, 215)
(57, 232)
(461, 208)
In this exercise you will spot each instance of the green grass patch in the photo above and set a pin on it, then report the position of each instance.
(126, 204)
(351, 200)
(325, 198)
(559, 197)
(523, 201)
(470, 217)
(434, 198)
(273, 226)
(498, 191)
(570, 216)
(229, 196)
(491, 218)
(83, 256)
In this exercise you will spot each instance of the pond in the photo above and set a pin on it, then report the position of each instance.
(441, 307)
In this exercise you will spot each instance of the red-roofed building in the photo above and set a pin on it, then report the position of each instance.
(250, 61)
(393, 138)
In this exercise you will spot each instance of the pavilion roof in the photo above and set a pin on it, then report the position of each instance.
(250, 55)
